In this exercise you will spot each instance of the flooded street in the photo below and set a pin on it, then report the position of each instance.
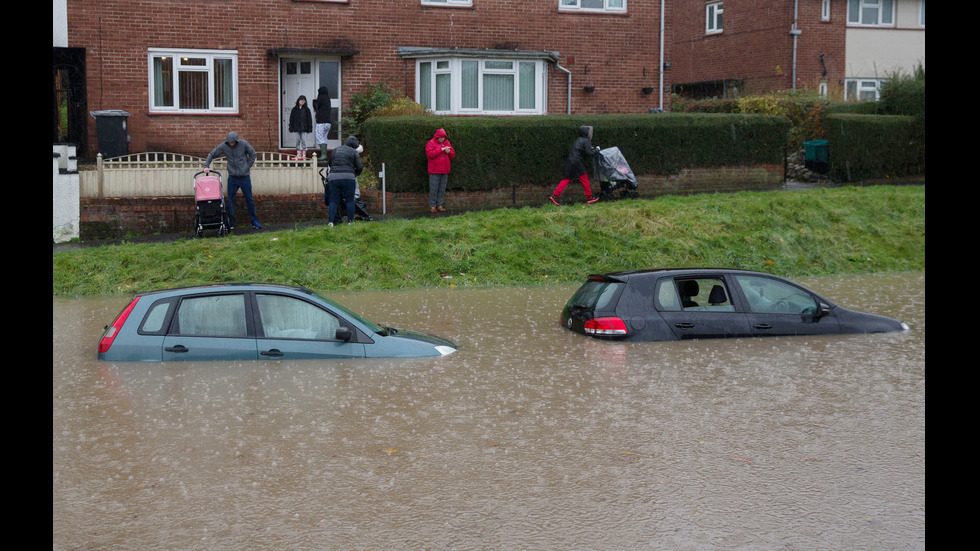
(528, 437)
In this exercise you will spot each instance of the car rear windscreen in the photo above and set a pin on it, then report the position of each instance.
(595, 295)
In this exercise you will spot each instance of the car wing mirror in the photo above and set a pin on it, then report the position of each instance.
(814, 314)
(343, 334)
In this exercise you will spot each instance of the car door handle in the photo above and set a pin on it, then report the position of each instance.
(273, 352)
(178, 348)
(685, 325)
(762, 326)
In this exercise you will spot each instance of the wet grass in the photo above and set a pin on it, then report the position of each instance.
(813, 232)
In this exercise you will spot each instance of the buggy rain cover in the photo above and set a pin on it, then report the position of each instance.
(613, 166)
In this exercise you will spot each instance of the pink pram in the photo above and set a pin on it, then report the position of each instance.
(209, 204)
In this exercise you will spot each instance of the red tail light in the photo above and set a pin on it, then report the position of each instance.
(113, 329)
(608, 327)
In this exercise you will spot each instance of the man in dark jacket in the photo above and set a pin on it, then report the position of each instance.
(575, 166)
(240, 156)
(345, 165)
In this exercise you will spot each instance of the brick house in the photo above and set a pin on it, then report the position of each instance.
(736, 47)
(189, 71)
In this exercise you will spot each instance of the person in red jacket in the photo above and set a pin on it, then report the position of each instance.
(440, 152)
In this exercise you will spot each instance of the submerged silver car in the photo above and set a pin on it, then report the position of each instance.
(250, 322)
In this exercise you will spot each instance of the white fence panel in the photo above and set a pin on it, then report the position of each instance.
(172, 175)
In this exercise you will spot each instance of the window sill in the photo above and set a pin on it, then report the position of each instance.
(592, 12)
(191, 114)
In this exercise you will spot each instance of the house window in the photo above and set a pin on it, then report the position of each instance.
(922, 13)
(871, 13)
(447, 2)
(481, 86)
(861, 89)
(193, 81)
(825, 10)
(592, 5)
(713, 12)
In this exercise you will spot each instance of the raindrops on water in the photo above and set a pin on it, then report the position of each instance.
(528, 437)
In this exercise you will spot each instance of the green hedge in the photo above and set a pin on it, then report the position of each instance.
(496, 152)
(875, 146)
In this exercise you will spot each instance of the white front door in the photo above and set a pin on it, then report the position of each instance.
(297, 80)
(303, 77)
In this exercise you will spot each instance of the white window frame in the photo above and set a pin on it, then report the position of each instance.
(884, 13)
(610, 6)
(922, 13)
(825, 10)
(861, 86)
(713, 20)
(209, 57)
(458, 3)
(453, 66)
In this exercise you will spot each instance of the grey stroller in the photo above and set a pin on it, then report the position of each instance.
(360, 208)
(614, 175)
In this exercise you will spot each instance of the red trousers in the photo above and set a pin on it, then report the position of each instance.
(583, 178)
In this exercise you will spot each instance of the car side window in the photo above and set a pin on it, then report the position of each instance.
(769, 296)
(212, 316)
(667, 299)
(286, 317)
(153, 323)
(704, 294)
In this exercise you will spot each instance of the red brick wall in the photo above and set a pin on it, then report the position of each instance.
(617, 54)
(756, 45)
(118, 217)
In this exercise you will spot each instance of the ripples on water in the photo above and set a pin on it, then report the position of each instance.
(529, 437)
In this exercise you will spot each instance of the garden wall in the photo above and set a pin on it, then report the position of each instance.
(119, 217)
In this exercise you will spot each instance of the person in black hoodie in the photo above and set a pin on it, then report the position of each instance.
(322, 107)
(301, 122)
(345, 165)
(575, 166)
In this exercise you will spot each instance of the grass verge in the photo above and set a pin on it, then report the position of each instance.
(812, 232)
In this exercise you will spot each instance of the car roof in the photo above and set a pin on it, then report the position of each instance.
(672, 272)
(225, 287)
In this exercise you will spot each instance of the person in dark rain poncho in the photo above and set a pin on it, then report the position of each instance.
(581, 150)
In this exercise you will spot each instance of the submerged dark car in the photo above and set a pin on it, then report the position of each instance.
(675, 304)
(250, 322)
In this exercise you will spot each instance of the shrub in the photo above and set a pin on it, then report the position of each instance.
(904, 94)
(495, 152)
(875, 146)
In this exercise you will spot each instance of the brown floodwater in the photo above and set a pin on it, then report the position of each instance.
(528, 437)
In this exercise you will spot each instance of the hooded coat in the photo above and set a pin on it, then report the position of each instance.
(345, 163)
(240, 156)
(581, 150)
(300, 118)
(439, 160)
(322, 105)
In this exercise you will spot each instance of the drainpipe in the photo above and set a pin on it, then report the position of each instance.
(558, 64)
(661, 87)
(796, 33)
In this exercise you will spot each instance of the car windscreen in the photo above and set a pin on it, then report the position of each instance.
(595, 295)
(350, 313)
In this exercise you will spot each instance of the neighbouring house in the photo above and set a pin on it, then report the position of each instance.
(185, 72)
(730, 48)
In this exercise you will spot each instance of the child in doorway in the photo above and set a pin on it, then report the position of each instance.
(301, 122)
